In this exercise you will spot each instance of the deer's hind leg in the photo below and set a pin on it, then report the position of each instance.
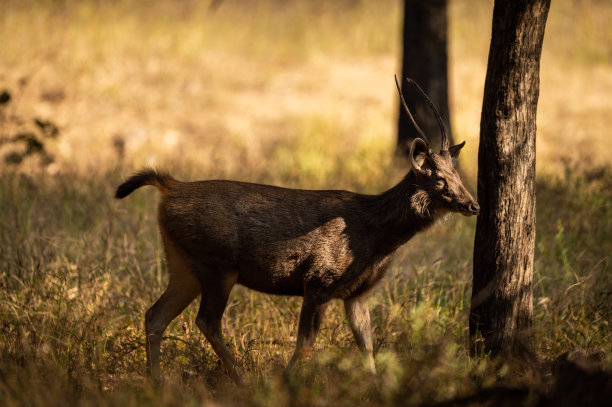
(183, 288)
(216, 289)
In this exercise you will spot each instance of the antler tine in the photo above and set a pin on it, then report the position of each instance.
(444, 146)
(414, 123)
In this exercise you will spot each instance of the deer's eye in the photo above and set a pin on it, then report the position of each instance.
(440, 183)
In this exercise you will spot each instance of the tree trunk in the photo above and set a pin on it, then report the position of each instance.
(501, 309)
(424, 60)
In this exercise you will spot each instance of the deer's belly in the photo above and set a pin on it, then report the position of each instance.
(267, 281)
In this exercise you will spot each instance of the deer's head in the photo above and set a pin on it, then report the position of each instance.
(435, 172)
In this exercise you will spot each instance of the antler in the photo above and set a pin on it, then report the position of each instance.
(414, 123)
(444, 146)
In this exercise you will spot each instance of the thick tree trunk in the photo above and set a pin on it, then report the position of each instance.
(501, 309)
(424, 60)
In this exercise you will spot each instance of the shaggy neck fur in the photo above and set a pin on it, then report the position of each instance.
(402, 211)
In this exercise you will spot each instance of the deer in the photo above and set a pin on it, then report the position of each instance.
(318, 244)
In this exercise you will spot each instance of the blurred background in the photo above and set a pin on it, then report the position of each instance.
(292, 93)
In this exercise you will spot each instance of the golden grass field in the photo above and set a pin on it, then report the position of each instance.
(298, 94)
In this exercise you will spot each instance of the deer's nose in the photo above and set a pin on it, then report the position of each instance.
(474, 208)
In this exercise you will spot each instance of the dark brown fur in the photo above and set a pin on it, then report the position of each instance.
(317, 244)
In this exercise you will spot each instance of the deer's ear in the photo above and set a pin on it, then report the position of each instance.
(455, 150)
(418, 153)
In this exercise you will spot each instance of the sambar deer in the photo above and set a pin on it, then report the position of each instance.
(321, 245)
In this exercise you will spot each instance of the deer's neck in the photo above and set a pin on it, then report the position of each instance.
(401, 212)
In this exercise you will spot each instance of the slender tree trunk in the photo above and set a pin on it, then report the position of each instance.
(424, 60)
(501, 309)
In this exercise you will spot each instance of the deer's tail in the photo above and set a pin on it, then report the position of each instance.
(146, 176)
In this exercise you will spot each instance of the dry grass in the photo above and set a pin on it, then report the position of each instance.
(298, 94)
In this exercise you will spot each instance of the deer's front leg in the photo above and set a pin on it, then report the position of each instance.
(358, 315)
(309, 324)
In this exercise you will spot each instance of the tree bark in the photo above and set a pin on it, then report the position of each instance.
(501, 309)
(424, 60)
